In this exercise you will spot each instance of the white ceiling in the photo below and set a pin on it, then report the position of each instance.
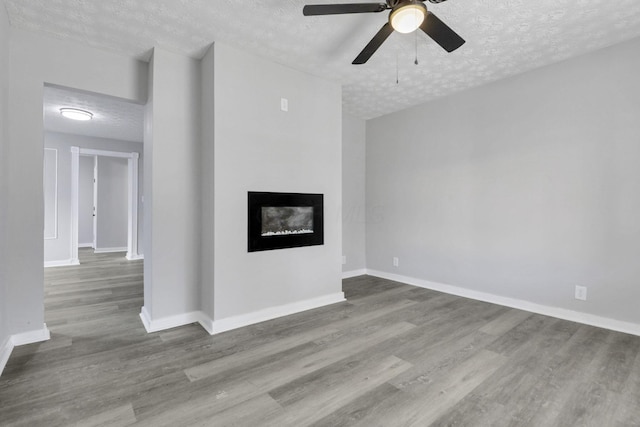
(112, 118)
(504, 37)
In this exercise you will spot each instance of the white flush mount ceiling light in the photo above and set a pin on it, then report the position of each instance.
(407, 17)
(76, 114)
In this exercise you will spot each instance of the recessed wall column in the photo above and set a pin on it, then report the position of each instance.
(172, 192)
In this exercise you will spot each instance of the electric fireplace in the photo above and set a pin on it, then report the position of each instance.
(284, 220)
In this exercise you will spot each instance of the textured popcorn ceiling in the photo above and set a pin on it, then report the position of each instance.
(112, 118)
(504, 37)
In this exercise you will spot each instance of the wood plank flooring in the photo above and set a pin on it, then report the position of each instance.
(392, 355)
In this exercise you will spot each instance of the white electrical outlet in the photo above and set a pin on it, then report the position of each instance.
(396, 261)
(344, 259)
(284, 104)
(581, 293)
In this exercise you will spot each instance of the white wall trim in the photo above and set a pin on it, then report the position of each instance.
(85, 245)
(94, 219)
(75, 201)
(109, 250)
(155, 325)
(132, 235)
(92, 152)
(61, 263)
(560, 313)
(132, 166)
(241, 320)
(354, 273)
(134, 258)
(229, 323)
(146, 319)
(206, 322)
(31, 337)
(55, 199)
(5, 351)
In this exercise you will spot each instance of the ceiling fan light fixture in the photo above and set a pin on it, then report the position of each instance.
(408, 17)
(76, 114)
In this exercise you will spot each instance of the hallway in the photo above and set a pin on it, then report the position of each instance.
(92, 313)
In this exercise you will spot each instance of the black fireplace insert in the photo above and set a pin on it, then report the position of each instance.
(284, 220)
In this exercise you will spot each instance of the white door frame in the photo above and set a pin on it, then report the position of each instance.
(94, 210)
(132, 229)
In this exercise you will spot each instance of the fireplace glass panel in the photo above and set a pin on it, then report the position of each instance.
(285, 220)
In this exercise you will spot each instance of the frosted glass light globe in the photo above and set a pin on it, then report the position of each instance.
(407, 18)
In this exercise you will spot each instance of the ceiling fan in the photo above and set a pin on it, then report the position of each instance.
(406, 16)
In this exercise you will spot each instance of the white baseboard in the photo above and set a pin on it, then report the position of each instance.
(229, 323)
(23, 338)
(31, 337)
(62, 263)
(560, 313)
(134, 257)
(168, 322)
(5, 351)
(234, 322)
(206, 322)
(354, 273)
(146, 319)
(109, 250)
(85, 245)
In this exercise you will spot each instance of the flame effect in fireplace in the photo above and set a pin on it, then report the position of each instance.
(286, 220)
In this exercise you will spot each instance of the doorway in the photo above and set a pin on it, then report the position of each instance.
(103, 204)
(87, 201)
(83, 289)
(112, 130)
(132, 200)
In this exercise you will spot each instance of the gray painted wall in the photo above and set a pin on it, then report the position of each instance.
(353, 192)
(523, 188)
(50, 183)
(85, 200)
(172, 159)
(33, 61)
(260, 148)
(60, 249)
(113, 212)
(305, 143)
(4, 154)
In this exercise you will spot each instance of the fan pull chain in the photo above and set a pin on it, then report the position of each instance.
(397, 70)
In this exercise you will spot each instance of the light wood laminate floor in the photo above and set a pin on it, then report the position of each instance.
(392, 355)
